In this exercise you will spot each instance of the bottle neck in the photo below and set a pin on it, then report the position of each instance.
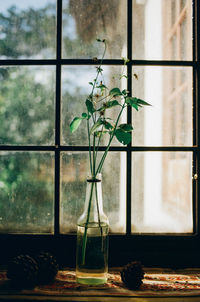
(94, 195)
(93, 209)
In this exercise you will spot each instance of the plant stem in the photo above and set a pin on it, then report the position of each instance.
(92, 167)
(94, 119)
(108, 146)
(99, 221)
(98, 70)
(88, 132)
(94, 159)
(86, 226)
(97, 148)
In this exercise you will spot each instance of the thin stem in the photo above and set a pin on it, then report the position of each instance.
(88, 133)
(99, 69)
(108, 146)
(99, 221)
(92, 165)
(86, 225)
(105, 97)
(97, 75)
(97, 148)
(94, 158)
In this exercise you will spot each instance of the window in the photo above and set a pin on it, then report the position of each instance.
(47, 57)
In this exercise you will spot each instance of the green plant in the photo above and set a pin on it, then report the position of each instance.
(99, 101)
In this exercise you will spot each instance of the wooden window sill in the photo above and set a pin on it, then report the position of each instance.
(158, 285)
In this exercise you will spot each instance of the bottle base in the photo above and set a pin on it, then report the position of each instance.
(91, 279)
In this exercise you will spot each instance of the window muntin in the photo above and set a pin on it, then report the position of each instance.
(57, 148)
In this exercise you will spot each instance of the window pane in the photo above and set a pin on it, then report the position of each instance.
(162, 30)
(85, 21)
(26, 192)
(75, 90)
(27, 105)
(162, 192)
(74, 171)
(168, 122)
(28, 29)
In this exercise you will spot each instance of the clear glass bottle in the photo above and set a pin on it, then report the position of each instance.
(92, 237)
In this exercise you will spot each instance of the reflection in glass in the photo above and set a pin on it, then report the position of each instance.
(27, 105)
(28, 29)
(75, 90)
(162, 30)
(162, 192)
(74, 171)
(85, 21)
(168, 122)
(26, 192)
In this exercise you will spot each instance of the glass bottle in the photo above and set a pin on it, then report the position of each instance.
(92, 237)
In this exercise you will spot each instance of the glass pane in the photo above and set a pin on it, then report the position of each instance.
(162, 30)
(168, 122)
(75, 90)
(74, 171)
(26, 192)
(85, 21)
(27, 105)
(162, 192)
(28, 29)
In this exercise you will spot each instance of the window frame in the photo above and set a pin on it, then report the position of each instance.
(166, 250)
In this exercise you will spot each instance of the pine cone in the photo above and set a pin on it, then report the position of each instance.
(23, 271)
(47, 267)
(132, 275)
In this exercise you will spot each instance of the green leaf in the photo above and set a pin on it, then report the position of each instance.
(126, 127)
(89, 106)
(113, 103)
(126, 60)
(123, 137)
(75, 124)
(124, 76)
(96, 125)
(101, 86)
(138, 102)
(141, 102)
(132, 102)
(84, 115)
(91, 83)
(109, 105)
(135, 106)
(99, 69)
(107, 125)
(124, 92)
(115, 92)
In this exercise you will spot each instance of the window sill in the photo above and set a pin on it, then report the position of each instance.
(160, 284)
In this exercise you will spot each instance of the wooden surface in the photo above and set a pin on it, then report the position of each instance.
(103, 296)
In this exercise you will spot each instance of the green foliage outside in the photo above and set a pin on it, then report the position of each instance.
(27, 116)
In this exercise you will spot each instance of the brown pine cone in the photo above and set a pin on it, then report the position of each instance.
(23, 271)
(132, 275)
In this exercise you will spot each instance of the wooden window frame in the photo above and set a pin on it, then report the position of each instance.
(152, 249)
